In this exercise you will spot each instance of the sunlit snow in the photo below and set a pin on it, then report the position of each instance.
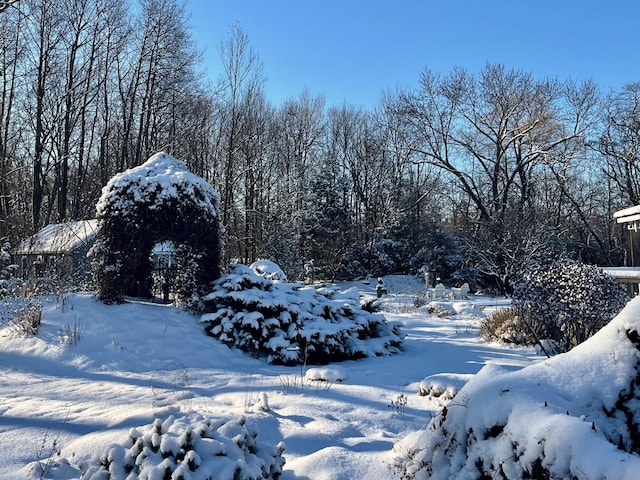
(139, 361)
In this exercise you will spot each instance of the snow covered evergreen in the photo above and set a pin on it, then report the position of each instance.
(291, 323)
(556, 419)
(190, 448)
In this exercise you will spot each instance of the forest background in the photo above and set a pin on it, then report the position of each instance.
(470, 175)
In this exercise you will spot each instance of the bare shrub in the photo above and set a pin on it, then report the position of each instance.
(70, 334)
(420, 300)
(506, 325)
(23, 315)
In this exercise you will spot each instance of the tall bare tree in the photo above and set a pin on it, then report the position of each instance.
(45, 31)
(493, 132)
(11, 51)
(241, 82)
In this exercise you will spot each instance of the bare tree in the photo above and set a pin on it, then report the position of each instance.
(11, 52)
(299, 128)
(619, 143)
(241, 95)
(493, 133)
(80, 48)
(45, 30)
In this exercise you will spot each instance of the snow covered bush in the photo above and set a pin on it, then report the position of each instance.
(7, 270)
(291, 324)
(567, 302)
(575, 415)
(158, 201)
(23, 314)
(189, 447)
(19, 308)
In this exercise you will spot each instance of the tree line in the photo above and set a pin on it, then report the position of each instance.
(471, 174)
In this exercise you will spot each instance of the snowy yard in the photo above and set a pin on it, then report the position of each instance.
(137, 361)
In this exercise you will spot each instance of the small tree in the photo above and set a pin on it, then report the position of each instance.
(567, 301)
(7, 269)
(294, 324)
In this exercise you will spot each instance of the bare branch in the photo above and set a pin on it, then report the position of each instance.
(5, 4)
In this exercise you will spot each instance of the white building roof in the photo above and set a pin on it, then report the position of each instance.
(627, 215)
(59, 238)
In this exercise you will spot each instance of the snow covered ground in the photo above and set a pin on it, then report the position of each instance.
(70, 396)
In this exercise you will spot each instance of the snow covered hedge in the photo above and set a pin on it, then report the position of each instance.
(190, 447)
(158, 201)
(575, 415)
(567, 301)
(291, 323)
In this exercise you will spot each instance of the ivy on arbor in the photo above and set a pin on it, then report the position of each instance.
(158, 201)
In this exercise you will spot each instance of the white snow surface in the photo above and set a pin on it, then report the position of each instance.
(134, 362)
(268, 269)
(159, 178)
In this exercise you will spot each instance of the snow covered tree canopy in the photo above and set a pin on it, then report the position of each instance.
(158, 201)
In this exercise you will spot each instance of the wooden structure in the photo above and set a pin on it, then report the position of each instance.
(629, 218)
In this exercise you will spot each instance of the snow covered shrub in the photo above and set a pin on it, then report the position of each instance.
(158, 201)
(567, 301)
(7, 270)
(22, 314)
(290, 323)
(187, 283)
(506, 326)
(575, 415)
(188, 448)
(18, 307)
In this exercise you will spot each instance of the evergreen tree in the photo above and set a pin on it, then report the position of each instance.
(327, 243)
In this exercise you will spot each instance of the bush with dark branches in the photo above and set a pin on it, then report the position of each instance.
(566, 301)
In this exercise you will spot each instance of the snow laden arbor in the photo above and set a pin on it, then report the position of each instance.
(156, 202)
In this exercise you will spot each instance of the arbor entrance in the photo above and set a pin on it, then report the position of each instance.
(159, 201)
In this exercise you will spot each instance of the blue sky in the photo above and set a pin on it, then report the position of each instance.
(352, 50)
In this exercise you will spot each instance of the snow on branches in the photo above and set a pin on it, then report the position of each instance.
(290, 323)
(190, 447)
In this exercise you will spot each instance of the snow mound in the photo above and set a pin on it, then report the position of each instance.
(326, 374)
(467, 308)
(444, 386)
(576, 415)
(269, 270)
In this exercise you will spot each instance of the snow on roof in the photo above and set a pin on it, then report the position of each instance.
(59, 238)
(623, 273)
(623, 215)
(159, 178)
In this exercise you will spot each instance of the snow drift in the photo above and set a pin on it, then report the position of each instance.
(576, 415)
